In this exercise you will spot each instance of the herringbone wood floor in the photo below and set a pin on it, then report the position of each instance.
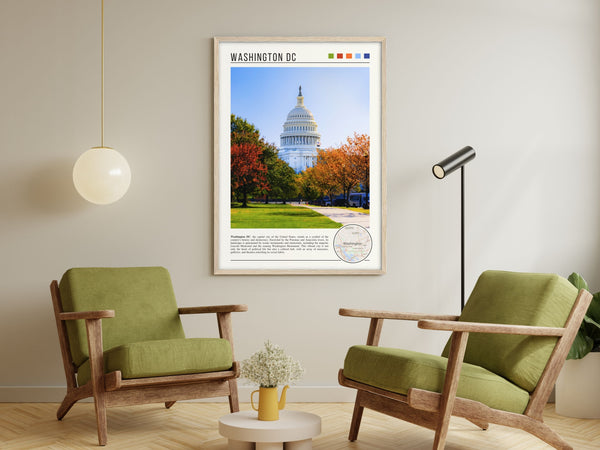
(194, 425)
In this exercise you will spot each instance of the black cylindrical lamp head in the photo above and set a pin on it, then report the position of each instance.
(453, 162)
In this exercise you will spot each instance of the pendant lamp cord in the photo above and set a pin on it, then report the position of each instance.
(102, 83)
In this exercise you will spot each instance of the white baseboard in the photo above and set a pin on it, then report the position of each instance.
(32, 394)
(296, 394)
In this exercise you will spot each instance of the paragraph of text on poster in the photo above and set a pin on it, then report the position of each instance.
(277, 245)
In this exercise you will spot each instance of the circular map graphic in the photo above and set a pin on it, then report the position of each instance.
(352, 243)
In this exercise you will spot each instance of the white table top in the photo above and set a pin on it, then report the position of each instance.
(291, 426)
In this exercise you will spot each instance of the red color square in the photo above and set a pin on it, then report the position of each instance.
(340, 56)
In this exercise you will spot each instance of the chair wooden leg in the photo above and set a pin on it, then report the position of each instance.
(234, 402)
(480, 423)
(94, 336)
(72, 397)
(69, 400)
(100, 403)
(169, 404)
(455, 358)
(539, 429)
(356, 418)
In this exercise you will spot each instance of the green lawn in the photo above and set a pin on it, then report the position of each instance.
(278, 216)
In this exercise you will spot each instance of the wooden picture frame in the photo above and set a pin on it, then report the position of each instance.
(285, 172)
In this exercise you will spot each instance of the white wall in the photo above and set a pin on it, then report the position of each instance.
(517, 80)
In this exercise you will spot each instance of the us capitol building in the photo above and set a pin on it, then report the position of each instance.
(300, 140)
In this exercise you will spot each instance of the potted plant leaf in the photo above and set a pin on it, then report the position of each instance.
(582, 367)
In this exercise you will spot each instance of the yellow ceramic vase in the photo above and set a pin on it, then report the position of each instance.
(268, 405)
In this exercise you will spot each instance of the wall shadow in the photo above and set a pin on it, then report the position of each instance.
(50, 188)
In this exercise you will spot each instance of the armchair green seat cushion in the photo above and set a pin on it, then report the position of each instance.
(164, 357)
(398, 370)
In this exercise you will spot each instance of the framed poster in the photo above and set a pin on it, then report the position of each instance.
(299, 155)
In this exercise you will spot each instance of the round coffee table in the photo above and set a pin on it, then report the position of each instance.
(294, 428)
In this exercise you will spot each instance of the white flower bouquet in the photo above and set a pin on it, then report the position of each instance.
(271, 367)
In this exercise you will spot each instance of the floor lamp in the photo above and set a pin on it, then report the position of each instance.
(440, 170)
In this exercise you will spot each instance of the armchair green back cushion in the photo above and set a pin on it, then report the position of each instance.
(146, 337)
(518, 299)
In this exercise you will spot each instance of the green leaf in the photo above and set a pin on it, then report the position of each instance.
(591, 321)
(582, 345)
(578, 281)
(594, 310)
(592, 329)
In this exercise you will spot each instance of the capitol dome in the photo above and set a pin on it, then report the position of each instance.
(300, 139)
(300, 113)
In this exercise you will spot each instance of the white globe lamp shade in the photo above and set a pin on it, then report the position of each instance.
(101, 175)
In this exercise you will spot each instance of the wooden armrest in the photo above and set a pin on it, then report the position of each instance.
(223, 317)
(213, 309)
(103, 314)
(374, 314)
(476, 327)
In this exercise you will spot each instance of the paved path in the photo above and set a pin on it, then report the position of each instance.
(342, 215)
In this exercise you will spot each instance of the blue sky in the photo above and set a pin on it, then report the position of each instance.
(338, 97)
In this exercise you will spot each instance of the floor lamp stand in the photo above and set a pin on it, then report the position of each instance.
(462, 238)
(440, 170)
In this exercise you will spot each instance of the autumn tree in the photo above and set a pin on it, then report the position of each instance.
(307, 185)
(274, 177)
(248, 173)
(343, 169)
(323, 172)
(354, 160)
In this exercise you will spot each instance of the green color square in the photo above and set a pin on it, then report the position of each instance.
(330, 56)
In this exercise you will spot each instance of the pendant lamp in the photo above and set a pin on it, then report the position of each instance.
(101, 175)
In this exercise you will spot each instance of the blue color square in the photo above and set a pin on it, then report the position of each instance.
(367, 56)
(357, 56)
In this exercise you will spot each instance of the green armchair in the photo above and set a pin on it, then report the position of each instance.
(499, 366)
(122, 342)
